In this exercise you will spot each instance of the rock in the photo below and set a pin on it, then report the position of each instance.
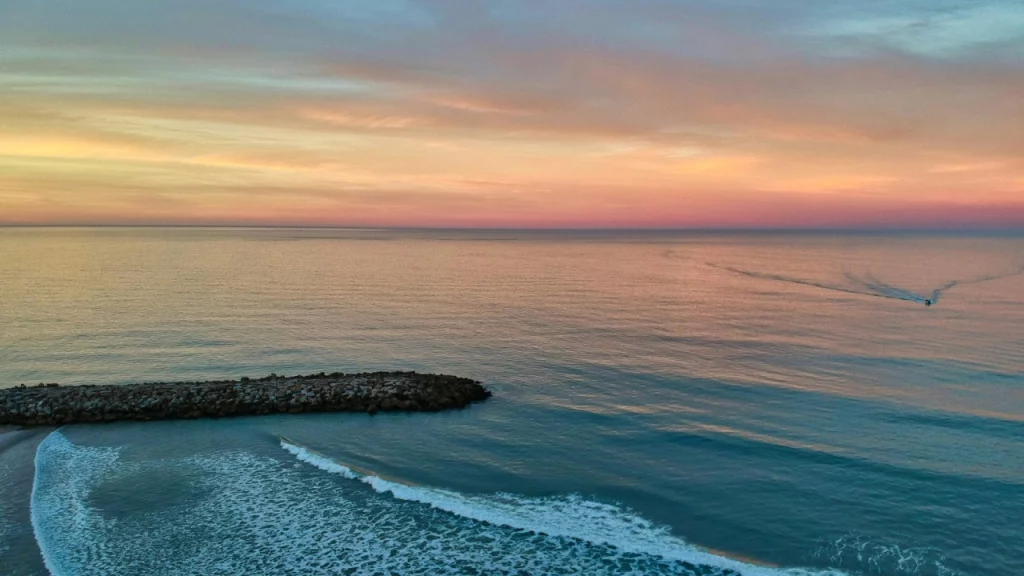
(51, 404)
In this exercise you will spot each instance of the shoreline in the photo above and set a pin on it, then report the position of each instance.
(370, 392)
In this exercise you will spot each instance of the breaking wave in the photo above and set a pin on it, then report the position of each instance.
(255, 515)
(569, 517)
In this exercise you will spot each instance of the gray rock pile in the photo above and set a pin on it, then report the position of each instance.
(52, 404)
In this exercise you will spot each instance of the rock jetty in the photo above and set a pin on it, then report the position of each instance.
(52, 404)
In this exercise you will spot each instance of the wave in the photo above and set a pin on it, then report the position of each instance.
(571, 517)
(256, 516)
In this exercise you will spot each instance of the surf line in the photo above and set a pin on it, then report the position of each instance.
(45, 550)
(328, 464)
(559, 517)
(54, 442)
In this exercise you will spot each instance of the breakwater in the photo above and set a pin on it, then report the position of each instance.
(53, 404)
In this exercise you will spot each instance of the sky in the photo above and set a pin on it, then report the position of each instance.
(513, 114)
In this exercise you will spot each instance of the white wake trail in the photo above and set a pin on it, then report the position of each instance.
(868, 285)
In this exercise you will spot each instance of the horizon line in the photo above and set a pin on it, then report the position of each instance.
(845, 229)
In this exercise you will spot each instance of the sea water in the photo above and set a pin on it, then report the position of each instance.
(665, 403)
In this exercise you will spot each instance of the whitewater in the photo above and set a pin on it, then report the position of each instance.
(281, 524)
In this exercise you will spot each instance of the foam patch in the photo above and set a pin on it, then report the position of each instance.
(247, 514)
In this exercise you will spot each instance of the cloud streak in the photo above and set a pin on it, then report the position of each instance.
(588, 113)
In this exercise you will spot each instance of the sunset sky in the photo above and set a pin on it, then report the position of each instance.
(544, 113)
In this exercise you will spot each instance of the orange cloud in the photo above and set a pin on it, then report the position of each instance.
(476, 121)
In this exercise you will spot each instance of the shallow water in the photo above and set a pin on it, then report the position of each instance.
(664, 403)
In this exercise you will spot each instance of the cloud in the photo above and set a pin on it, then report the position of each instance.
(943, 28)
(563, 102)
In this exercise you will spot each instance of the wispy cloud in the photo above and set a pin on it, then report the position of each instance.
(605, 112)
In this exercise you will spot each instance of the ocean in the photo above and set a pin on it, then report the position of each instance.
(698, 403)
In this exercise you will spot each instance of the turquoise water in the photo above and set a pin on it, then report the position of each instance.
(664, 403)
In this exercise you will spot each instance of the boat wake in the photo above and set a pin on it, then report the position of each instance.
(794, 280)
(868, 285)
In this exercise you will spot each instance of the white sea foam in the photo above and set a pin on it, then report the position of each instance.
(60, 493)
(238, 513)
(258, 517)
(570, 516)
(321, 462)
(7, 527)
(875, 557)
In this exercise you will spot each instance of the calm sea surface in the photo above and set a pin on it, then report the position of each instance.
(664, 403)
